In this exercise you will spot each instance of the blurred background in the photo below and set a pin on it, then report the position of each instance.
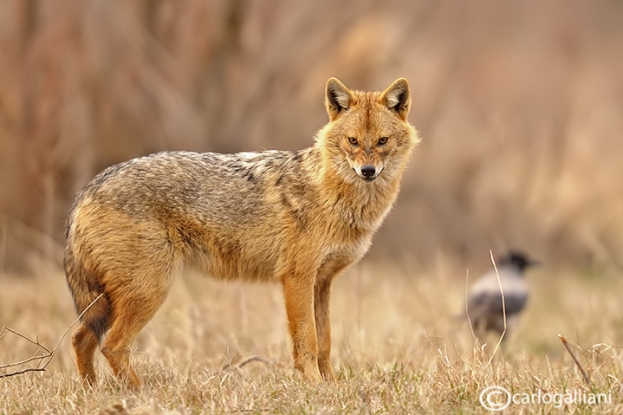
(519, 106)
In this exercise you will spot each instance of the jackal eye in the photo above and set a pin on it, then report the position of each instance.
(353, 141)
(382, 140)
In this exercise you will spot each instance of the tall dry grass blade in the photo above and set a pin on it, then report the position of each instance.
(497, 274)
(575, 359)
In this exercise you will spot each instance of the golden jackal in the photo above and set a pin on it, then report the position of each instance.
(294, 217)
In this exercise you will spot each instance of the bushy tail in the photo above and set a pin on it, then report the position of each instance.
(85, 287)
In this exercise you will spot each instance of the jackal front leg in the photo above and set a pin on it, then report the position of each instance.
(322, 298)
(299, 297)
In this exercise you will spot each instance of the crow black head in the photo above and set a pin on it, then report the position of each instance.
(518, 259)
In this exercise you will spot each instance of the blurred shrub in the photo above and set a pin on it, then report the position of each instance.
(519, 105)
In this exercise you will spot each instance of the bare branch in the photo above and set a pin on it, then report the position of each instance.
(40, 346)
(49, 355)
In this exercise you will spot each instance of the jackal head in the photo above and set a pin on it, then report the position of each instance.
(368, 135)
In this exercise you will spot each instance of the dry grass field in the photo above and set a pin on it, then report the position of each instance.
(398, 347)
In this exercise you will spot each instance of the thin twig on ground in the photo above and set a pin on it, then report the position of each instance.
(244, 362)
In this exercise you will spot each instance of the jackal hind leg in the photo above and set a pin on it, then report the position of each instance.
(130, 315)
(85, 343)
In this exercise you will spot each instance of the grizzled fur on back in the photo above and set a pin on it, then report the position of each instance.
(293, 217)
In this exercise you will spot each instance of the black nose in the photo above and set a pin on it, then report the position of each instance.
(368, 170)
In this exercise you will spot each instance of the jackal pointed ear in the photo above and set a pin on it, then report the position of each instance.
(338, 98)
(398, 97)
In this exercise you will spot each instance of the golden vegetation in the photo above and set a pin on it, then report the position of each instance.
(398, 348)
